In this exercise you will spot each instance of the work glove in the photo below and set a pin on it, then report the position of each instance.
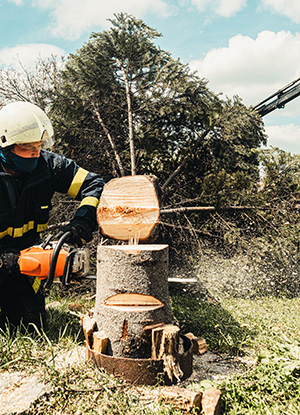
(9, 262)
(81, 231)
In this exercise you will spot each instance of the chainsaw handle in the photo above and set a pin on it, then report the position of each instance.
(53, 262)
(68, 265)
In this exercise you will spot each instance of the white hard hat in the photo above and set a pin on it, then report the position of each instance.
(22, 122)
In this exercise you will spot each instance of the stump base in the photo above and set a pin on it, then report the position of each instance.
(142, 371)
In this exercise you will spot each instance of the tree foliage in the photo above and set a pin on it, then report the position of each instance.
(128, 107)
(121, 105)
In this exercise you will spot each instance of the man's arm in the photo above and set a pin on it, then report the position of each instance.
(83, 186)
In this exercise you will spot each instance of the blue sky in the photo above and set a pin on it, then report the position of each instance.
(249, 48)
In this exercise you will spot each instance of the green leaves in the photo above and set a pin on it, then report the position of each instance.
(120, 87)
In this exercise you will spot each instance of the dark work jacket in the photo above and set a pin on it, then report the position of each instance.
(25, 202)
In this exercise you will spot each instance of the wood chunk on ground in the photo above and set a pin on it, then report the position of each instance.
(89, 326)
(182, 399)
(199, 344)
(100, 341)
(185, 399)
(18, 391)
(211, 401)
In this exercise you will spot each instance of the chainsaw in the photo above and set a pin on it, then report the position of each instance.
(55, 260)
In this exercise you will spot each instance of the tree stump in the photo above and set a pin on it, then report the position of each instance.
(165, 346)
(132, 294)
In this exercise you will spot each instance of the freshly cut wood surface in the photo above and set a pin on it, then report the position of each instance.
(100, 341)
(199, 344)
(89, 326)
(128, 208)
(133, 302)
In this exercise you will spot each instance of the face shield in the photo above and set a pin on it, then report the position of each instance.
(48, 141)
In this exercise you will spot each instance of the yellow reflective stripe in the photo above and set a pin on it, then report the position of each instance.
(42, 227)
(77, 182)
(36, 284)
(8, 231)
(18, 232)
(89, 201)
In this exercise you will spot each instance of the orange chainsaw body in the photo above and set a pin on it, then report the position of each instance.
(35, 261)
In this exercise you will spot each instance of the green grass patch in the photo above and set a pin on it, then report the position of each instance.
(271, 387)
(263, 330)
(266, 330)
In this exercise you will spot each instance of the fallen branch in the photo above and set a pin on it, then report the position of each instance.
(213, 209)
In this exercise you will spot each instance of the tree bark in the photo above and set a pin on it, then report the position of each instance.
(132, 294)
(130, 118)
(165, 346)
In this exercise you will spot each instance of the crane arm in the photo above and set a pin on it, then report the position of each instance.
(279, 98)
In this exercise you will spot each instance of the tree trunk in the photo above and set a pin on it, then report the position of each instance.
(130, 118)
(132, 294)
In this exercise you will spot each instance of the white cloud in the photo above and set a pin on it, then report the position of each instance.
(72, 18)
(286, 136)
(225, 8)
(27, 54)
(252, 68)
(228, 8)
(289, 8)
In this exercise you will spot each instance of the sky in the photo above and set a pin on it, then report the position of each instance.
(249, 48)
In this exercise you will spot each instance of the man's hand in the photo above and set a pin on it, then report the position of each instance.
(81, 231)
(9, 262)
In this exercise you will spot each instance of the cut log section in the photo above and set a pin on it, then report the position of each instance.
(211, 402)
(182, 399)
(208, 402)
(128, 208)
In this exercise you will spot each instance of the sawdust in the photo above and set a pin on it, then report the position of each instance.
(105, 213)
(18, 390)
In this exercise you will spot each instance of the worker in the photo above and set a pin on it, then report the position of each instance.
(29, 176)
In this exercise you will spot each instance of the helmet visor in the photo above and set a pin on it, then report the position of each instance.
(48, 141)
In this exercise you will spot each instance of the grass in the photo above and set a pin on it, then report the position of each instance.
(265, 330)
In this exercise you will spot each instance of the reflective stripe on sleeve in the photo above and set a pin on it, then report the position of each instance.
(89, 201)
(42, 227)
(8, 231)
(77, 182)
(18, 232)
